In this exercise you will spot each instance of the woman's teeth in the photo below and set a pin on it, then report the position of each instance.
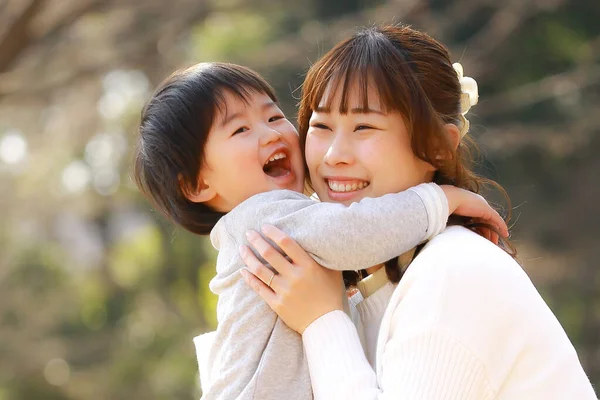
(347, 186)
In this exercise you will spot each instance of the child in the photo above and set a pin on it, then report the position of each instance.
(218, 157)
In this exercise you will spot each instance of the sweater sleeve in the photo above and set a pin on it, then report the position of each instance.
(353, 237)
(428, 365)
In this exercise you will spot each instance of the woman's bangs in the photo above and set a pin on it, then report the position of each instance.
(351, 74)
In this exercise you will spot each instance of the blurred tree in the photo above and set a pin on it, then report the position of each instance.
(100, 297)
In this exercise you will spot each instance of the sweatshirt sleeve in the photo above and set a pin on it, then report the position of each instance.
(365, 233)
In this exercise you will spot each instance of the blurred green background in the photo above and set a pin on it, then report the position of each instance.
(100, 297)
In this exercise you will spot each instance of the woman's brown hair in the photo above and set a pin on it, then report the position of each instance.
(413, 74)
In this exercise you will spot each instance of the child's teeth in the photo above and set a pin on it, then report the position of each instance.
(277, 156)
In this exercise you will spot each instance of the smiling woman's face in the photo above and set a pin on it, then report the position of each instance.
(362, 153)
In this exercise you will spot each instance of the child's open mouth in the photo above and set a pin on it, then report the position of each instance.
(278, 165)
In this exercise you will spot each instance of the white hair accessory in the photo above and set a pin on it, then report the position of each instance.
(469, 96)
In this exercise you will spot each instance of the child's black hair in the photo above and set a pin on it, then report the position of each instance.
(174, 128)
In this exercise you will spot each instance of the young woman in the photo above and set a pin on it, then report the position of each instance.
(455, 319)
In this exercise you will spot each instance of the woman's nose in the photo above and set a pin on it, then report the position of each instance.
(339, 151)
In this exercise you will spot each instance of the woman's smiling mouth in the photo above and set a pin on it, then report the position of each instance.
(345, 189)
(346, 185)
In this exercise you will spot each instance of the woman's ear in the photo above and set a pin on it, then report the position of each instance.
(453, 134)
(202, 193)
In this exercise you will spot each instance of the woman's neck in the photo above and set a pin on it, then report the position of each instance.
(372, 270)
(404, 260)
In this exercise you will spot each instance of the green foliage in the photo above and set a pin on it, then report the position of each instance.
(230, 36)
(100, 297)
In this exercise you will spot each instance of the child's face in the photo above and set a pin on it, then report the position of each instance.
(251, 149)
(364, 153)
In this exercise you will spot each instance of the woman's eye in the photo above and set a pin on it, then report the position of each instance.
(240, 130)
(363, 127)
(276, 118)
(319, 126)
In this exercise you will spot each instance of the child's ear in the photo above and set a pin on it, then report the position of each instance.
(202, 193)
(453, 134)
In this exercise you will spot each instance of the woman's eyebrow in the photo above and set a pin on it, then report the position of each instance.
(363, 110)
(355, 110)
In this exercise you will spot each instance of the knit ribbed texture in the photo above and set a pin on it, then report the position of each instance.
(371, 311)
(432, 366)
(464, 323)
(334, 335)
(435, 366)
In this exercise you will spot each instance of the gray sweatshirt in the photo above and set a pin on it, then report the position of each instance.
(253, 354)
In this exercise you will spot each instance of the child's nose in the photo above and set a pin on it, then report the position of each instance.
(269, 135)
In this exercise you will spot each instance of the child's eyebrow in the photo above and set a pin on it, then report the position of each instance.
(269, 104)
(230, 117)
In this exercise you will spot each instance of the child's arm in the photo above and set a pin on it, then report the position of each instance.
(373, 230)
(353, 237)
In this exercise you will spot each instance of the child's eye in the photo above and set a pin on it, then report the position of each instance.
(276, 118)
(240, 130)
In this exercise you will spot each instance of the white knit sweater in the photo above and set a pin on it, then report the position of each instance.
(465, 322)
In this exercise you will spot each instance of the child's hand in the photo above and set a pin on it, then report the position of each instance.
(469, 204)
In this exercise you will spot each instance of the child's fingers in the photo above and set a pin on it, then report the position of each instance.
(493, 236)
(258, 269)
(289, 246)
(490, 216)
(269, 296)
(499, 222)
(269, 253)
(488, 233)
